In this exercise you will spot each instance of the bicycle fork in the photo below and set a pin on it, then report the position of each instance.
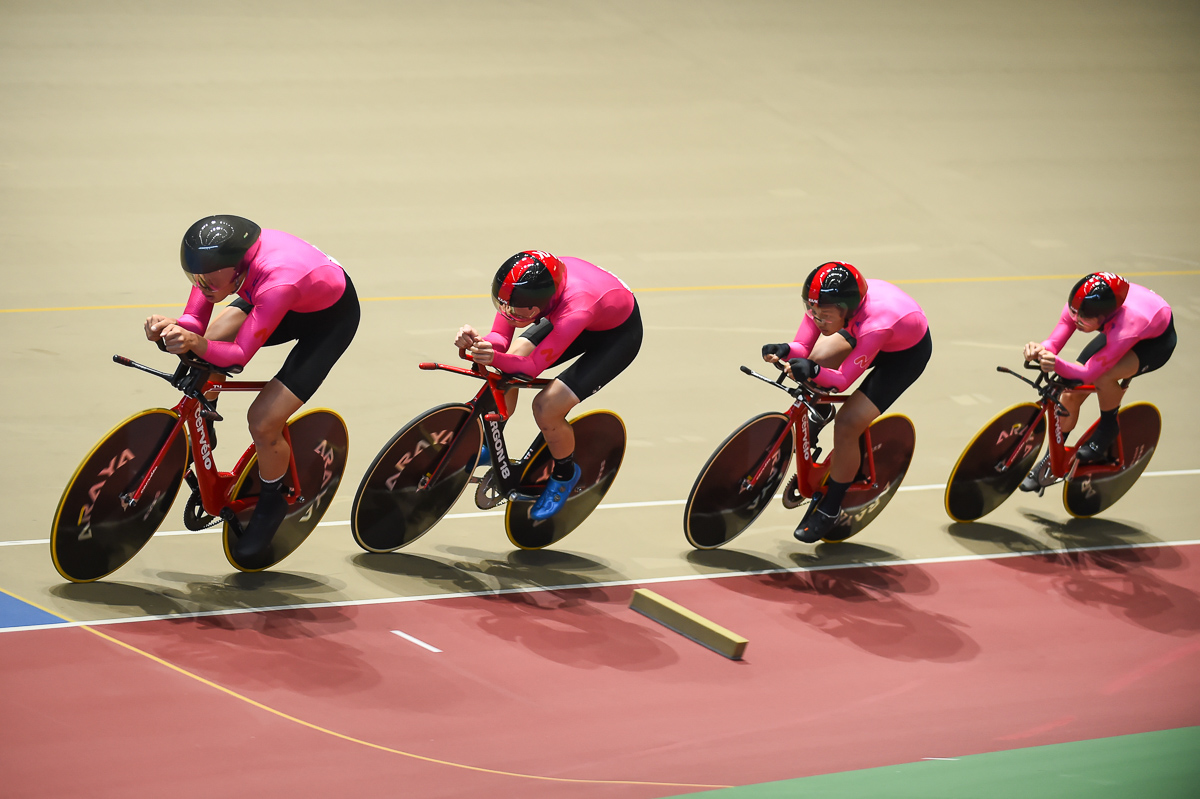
(129, 500)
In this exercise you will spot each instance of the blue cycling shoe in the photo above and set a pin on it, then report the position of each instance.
(554, 496)
(485, 457)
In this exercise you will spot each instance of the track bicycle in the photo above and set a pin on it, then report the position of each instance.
(120, 494)
(420, 473)
(1002, 453)
(746, 470)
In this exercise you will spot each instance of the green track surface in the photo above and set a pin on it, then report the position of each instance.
(1153, 764)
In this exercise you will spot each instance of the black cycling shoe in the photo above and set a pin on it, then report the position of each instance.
(1095, 449)
(1039, 478)
(268, 515)
(816, 526)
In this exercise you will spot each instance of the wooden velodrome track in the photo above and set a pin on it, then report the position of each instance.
(982, 156)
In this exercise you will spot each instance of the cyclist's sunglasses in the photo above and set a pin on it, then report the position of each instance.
(825, 313)
(211, 281)
(514, 315)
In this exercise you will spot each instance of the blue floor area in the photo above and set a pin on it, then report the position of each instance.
(15, 613)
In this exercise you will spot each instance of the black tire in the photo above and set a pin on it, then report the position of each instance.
(599, 452)
(93, 533)
(392, 508)
(320, 445)
(718, 509)
(978, 484)
(1095, 488)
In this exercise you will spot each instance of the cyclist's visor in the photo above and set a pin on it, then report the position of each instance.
(517, 316)
(214, 281)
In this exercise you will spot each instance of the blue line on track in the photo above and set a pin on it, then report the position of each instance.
(15, 613)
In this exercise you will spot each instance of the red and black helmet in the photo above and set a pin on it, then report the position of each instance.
(836, 283)
(529, 279)
(1098, 295)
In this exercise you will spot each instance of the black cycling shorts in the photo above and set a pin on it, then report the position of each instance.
(603, 354)
(893, 372)
(321, 337)
(1151, 353)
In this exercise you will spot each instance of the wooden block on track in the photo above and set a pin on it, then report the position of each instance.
(688, 624)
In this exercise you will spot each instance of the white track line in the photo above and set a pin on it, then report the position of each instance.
(610, 506)
(416, 641)
(353, 603)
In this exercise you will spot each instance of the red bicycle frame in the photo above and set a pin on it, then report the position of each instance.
(809, 473)
(215, 486)
(1062, 455)
(496, 384)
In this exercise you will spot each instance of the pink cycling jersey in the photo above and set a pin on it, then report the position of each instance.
(285, 274)
(888, 320)
(1143, 315)
(591, 299)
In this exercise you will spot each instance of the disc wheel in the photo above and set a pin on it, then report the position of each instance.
(599, 451)
(1096, 487)
(979, 483)
(893, 440)
(320, 444)
(720, 506)
(394, 505)
(94, 533)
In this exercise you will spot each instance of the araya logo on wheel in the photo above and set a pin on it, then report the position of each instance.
(326, 452)
(1016, 430)
(864, 512)
(769, 475)
(85, 513)
(436, 438)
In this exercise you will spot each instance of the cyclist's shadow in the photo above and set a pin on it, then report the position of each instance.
(383, 568)
(990, 540)
(861, 604)
(1091, 532)
(151, 600)
(200, 593)
(563, 619)
(299, 636)
(539, 568)
(1105, 571)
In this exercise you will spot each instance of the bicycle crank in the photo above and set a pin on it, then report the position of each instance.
(488, 495)
(194, 516)
(792, 498)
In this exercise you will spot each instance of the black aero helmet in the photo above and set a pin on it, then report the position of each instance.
(529, 279)
(217, 242)
(1097, 295)
(836, 283)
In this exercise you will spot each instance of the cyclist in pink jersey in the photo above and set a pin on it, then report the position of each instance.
(572, 309)
(852, 324)
(287, 290)
(1137, 335)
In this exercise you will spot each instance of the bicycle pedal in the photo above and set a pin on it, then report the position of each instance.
(230, 518)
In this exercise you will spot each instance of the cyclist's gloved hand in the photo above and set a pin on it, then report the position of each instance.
(804, 369)
(780, 351)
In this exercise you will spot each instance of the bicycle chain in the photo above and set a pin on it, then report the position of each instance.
(194, 520)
